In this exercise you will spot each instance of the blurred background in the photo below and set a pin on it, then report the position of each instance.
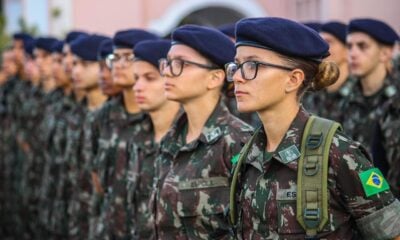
(57, 17)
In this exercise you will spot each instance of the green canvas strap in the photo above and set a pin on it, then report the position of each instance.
(232, 196)
(312, 174)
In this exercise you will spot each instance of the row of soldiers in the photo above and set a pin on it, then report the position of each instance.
(72, 125)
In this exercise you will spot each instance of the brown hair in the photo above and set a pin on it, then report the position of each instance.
(318, 75)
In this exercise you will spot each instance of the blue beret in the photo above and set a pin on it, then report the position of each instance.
(337, 29)
(316, 26)
(152, 50)
(105, 49)
(71, 36)
(86, 47)
(45, 43)
(378, 30)
(228, 29)
(129, 38)
(209, 42)
(29, 46)
(57, 47)
(22, 36)
(283, 36)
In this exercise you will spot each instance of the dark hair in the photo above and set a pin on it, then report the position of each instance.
(318, 75)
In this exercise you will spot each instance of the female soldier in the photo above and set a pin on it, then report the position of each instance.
(275, 70)
(194, 163)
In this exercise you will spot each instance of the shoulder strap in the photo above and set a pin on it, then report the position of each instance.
(232, 196)
(312, 174)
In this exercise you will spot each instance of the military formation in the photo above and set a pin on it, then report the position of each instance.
(210, 134)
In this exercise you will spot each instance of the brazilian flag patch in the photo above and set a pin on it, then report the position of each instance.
(373, 182)
(235, 159)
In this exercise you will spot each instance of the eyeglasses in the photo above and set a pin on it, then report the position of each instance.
(125, 59)
(176, 66)
(249, 69)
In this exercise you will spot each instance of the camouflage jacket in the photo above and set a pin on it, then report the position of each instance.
(329, 105)
(113, 131)
(362, 112)
(192, 180)
(387, 138)
(142, 154)
(266, 195)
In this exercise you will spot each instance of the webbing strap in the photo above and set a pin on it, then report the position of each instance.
(312, 174)
(232, 195)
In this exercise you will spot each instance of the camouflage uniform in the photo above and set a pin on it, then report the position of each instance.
(386, 144)
(72, 158)
(329, 105)
(267, 211)
(192, 179)
(363, 112)
(115, 128)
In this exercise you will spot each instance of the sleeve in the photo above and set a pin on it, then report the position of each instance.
(368, 198)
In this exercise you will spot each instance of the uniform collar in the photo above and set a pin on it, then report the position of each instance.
(288, 151)
(211, 132)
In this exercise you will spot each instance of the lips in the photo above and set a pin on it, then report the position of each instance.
(140, 99)
(239, 93)
(168, 86)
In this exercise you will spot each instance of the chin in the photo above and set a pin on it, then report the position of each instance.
(243, 108)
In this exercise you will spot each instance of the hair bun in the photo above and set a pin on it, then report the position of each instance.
(328, 74)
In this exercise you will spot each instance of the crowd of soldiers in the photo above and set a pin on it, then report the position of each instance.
(78, 146)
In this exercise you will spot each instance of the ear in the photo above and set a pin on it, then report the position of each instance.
(216, 79)
(386, 54)
(295, 79)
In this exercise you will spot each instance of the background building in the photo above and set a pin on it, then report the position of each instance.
(56, 17)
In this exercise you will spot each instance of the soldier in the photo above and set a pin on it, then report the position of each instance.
(275, 70)
(85, 73)
(193, 169)
(229, 96)
(369, 44)
(117, 122)
(329, 103)
(150, 97)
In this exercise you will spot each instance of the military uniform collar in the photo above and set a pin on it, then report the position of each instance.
(288, 151)
(211, 132)
(388, 90)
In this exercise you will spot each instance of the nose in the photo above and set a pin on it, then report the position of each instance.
(237, 77)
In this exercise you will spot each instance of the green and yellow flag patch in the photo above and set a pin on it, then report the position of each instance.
(235, 159)
(373, 182)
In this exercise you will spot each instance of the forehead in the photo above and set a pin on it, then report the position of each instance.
(39, 51)
(122, 51)
(143, 67)
(247, 52)
(181, 50)
(356, 37)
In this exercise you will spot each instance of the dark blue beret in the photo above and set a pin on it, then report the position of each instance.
(45, 43)
(129, 38)
(25, 37)
(71, 36)
(209, 42)
(337, 29)
(228, 29)
(377, 29)
(152, 50)
(57, 47)
(283, 36)
(86, 47)
(105, 49)
(316, 26)
(29, 46)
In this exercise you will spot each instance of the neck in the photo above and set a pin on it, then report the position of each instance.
(374, 81)
(67, 89)
(129, 101)
(344, 74)
(198, 111)
(277, 122)
(95, 98)
(79, 94)
(162, 119)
